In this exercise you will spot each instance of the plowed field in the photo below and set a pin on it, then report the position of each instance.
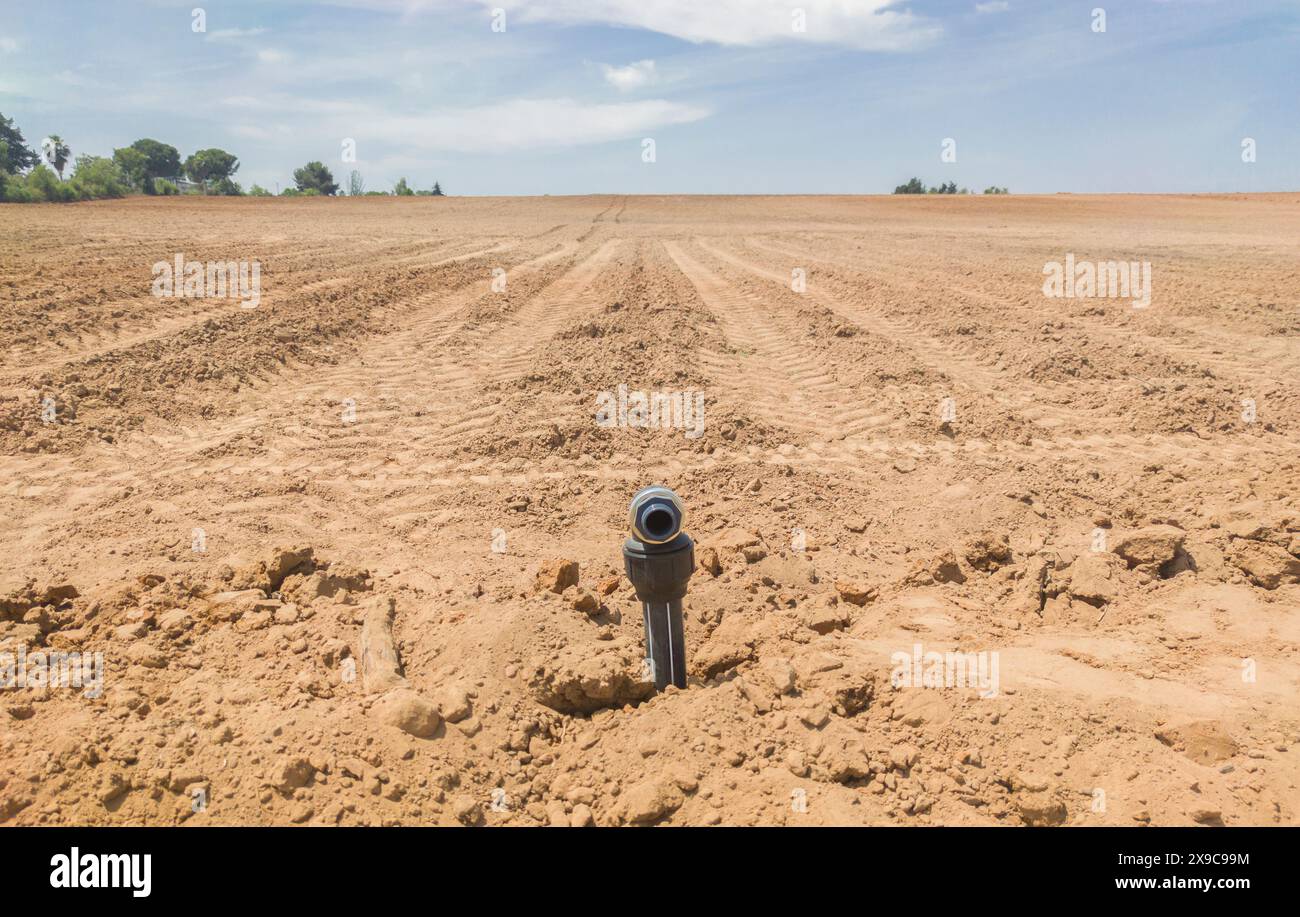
(317, 541)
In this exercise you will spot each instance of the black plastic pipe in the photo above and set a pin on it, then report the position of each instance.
(659, 559)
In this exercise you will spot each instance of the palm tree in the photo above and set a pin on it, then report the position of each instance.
(57, 153)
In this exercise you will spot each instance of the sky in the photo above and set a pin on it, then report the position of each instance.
(738, 96)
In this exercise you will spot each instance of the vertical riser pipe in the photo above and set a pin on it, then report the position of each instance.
(659, 559)
(665, 643)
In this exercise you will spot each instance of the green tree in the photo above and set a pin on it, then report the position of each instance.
(437, 190)
(356, 184)
(18, 158)
(315, 177)
(259, 191)
(133, 165)
(161, 160)
(211, 165)
(915, 186)
(401, 189)
(56, 153)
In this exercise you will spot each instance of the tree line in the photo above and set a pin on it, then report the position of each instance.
(916, 186)
(148, 166)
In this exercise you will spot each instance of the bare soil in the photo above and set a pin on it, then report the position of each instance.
(317, 542)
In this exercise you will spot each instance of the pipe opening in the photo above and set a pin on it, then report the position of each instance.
(658, 523)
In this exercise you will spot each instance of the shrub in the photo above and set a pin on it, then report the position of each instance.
(98, 177)
(40, 185)
(43, 185)
(259, 191)
(163, 186)
(16, 190)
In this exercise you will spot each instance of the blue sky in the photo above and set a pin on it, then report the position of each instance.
(736, 100)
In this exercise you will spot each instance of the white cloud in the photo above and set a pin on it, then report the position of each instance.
(272, 56)
(226, 34)
(405, 7)
(633, 76)
(532, 124)
(285, 102)
(865, 24)
(8, 46)
(993, 6)
(519, 124)
(262, 131)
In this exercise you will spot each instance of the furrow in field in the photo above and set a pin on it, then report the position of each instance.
(1253, 360)
(965, 371)
(32, 477)
(462, 400)
(170, 316)
(407, 395)
(297, 429)
(763, 367)
(873, 388)
(1085, 387)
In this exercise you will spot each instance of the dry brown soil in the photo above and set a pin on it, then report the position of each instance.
(389, 462)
